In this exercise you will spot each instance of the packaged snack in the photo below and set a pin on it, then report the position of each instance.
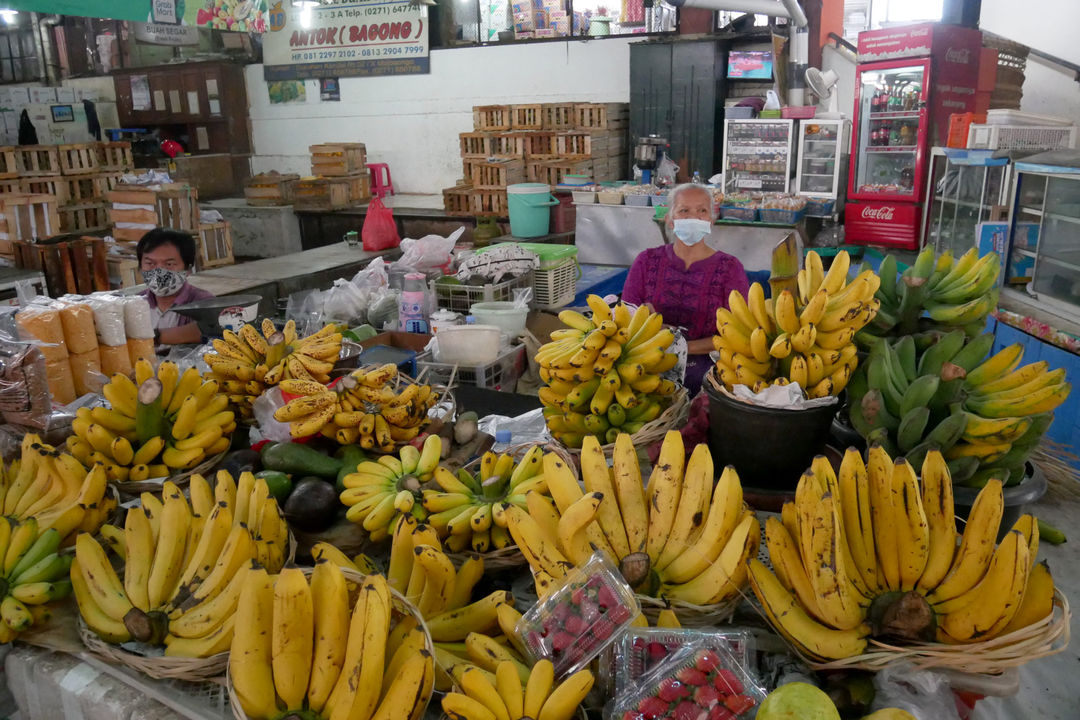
(61, 385)
(694, 683)
(641, 650)
(86, 371)
(115, 359)
(141, 349)
(80, 334)
(573, 624)
(41, 324)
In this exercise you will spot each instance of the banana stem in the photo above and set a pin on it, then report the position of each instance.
(149, 418)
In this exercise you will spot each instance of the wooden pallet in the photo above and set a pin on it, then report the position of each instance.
(28, 217)
(607, 143)
(38, 159)
(475, 144)
(558, 116)
(72, 189)
(551, 172)
(215, 246)
(486, 203)
(573, 144)
(491, 117)
(78, 158)
(10, 185)
(457, 201)
(539, 145)
(526, 117)
(601, 116)
(9, 162)
(90, 217)
(325, 193)
(269, 189)
(496, 174)
(508, 145)
(114, 156)
(335, 159)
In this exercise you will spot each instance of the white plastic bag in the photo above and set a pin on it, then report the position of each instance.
(345, 303)
(426, 253)
(924, 694)
(263, 409)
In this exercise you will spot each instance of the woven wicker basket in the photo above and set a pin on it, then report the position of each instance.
(400, 607)
(130, 490)
(672, 418)
(1046, 637)
(158, 667)
(690, 616)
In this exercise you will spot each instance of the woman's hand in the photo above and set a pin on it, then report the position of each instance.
(701, 346)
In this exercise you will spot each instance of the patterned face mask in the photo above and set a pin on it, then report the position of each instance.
(164, 283)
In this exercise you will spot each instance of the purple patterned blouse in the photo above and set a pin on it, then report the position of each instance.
(686, 297)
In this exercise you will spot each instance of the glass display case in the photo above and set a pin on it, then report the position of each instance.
(964, 187)
(821, 157)
(1048, 202)
(757, 156)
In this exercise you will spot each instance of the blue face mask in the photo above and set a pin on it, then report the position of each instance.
(691, 230)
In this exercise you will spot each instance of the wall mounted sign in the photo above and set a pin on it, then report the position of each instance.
(366, 38)
(164, 34)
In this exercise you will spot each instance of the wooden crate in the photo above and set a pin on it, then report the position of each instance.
(558, 116)
(45, 185)
(38, 159)
(214, 246)
(497, 173)
(526, 117)
(10, 185)
(508, 145)
(172, 205)
(607, 143)
(551, 172)
(324, 193)
(475, 144)
(9, 163)
(573, 144)
(124, 271)
(601, 116)
(28, 217)
(489, 203)
(457, 201)
(334, 159)
(78, 265)
(114, 156)
(72, 189)
(89, 217)
(491, 117)
(178, 208)
(359, 188)
(78, 158)
(539, 145)
(268, 189)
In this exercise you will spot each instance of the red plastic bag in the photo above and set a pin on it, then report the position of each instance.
(380, 231)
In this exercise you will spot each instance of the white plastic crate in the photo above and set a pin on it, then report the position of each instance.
(555, 287)
(502, 374)
(460, 298)
(1016, 137)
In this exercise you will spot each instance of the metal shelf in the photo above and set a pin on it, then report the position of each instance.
(1060, 263)
(894, 115)
(1064, 218)
(899, 149)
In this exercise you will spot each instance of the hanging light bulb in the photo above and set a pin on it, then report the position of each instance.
(306, 7)
(8, 16)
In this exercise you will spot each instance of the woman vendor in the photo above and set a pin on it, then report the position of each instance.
(688, 278)
(166, 258)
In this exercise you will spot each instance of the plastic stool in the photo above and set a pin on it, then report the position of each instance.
(379, 186)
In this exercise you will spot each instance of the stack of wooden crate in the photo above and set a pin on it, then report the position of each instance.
(339, 178)
(536, 143)
(77, 175)
(26, 218)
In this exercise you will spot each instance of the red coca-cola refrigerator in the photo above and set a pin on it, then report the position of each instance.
(908, 81)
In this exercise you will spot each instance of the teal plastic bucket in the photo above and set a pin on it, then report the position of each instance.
(529, 205)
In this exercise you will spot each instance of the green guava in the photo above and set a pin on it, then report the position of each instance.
(797, 701)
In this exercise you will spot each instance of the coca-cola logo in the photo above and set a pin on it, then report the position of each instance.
(882, 213)
(958, 55)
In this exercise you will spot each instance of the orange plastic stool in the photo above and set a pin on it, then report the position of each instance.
(381, 183)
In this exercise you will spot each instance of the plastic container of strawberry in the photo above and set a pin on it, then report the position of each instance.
(576, 622)
(693, 683)
(641, 650)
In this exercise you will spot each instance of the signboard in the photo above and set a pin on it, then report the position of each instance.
(137, 10)
(234, 15)
(161, 34)
(163, 11)
(366, 38)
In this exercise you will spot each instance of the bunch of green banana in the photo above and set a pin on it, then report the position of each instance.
(805, 337)
(184, 565)
(382, 490)
(32, 574)
(464, 506)
(935, 293)
(853, 548)
(328, 647)
(986, 415)
(603, 373)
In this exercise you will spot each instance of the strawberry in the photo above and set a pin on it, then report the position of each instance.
(652, 707)
(589, 611)
(578, 595)
(707, 696)
(618, 614)
(706, 661)
(602, 629)
(594, 582)
(687, 710)
(560, 613)
(671, 690)
(606, 597)
(726, 682)
(738, 704)
(562, 640)
(692, 676)
(720, 712)
(575, 625)
(633, 715)
(657, 651)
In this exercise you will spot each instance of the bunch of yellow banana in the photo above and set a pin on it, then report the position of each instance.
(311, 649)
(805, 337)
(54, 489)
(603, 374)
(874, 552)
(369, 406)
(32, 574)
(505, 696)
(248, 362)
(464, 508)
(183, 565)
(160, 424)
(379, 491)
(680, 538)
